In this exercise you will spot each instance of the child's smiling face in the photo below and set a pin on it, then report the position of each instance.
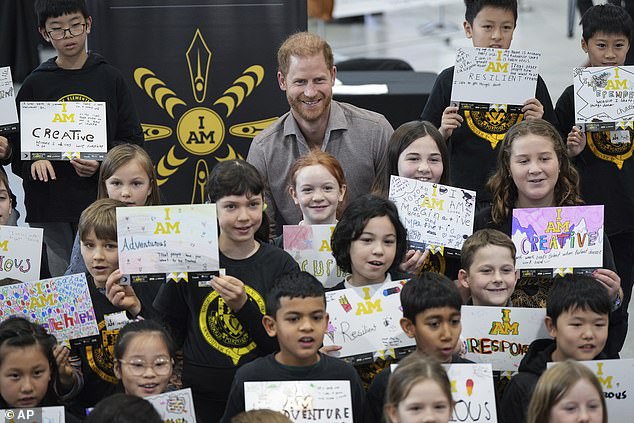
(372, 253)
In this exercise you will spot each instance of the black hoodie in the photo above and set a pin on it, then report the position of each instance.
(518, 394)
(63, 199)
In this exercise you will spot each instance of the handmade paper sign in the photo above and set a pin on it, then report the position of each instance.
(8, 111)
(34, 415)
(20, 253)
(487, 79)
(63, 130)
(435, 216)
(364, 321)
(310, 247)
(560, 238)
(171, 240)
(175, 406)
(604, 100)
(617, 379)
(501, 335)
(325, 401)
(62, 305)
(473, 392)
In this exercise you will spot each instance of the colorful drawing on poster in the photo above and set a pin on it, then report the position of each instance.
(8, 111)
(20, 253)
(62, 305)
(364, 321)
(496, 78)
(434, 215)
(309, 245)
(63, 130)
(175, 406)
(604, 98)
(558, 237)
(501, 335)
(167, 239)
(617, 380)
(324, 401)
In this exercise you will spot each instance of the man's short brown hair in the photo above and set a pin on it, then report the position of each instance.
(481, 239)
(303, 44)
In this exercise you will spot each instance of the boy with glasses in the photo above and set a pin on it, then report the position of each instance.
(56, 192)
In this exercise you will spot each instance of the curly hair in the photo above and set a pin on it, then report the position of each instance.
(501, 185)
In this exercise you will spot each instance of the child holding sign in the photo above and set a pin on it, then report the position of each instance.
(56, 192)
(113, 303)
(566, 392)
(431, 315)
(419, 391)
(28, 369)
(606, 167)
(369, 242)
(577, 318)
(220, 323)
(474, 135)
(534, 171)
(318, 187)
(128, 175)
(296, 315)
(416, 150)
(142, 344)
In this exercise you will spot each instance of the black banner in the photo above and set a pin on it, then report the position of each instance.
(202, 76)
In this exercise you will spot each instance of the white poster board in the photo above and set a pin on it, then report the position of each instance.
(8, 111)
(20, 253)
(170, 240)
(617, 379)
(604, 98)
(324, 401)
(494, 79)
(53, 130)
(364, 321)
(175, 406)
(473, 392)
(434, 215)
(309, 245)
(501, 335)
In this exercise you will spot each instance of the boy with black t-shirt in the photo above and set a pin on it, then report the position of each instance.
(98, 235)
(473, 136)
(604, 159)
(56, 192)
(296, 315)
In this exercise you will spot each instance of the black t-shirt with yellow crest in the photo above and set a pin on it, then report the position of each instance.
(605, 166)
(473, 147)
(217, 341)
